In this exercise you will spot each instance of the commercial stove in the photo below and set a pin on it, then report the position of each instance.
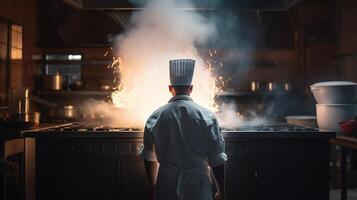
(274, 161)
(82, 129)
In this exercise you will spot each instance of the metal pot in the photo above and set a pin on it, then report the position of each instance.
(335, 92)
(266, 87)
(254, 86)
(19, 102)
(52, 82)
(330, 115)
(32, 117)
(77, 85)
(262, 86)
(67, 112)
(105, 87)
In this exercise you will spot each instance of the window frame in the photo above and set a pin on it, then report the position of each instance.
(8, 60)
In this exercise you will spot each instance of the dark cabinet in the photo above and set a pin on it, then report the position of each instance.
(291, 177)
(89, 169)
(238, 182)
(133, 179)
(79, 177)
(12, 174)
(278, 170)
(269, 169)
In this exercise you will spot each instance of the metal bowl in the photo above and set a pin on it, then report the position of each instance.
(335, 92)
(330, 115)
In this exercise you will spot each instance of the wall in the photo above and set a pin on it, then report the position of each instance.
(317, 20)
(337, 60)
(25, 13)
(347, 42)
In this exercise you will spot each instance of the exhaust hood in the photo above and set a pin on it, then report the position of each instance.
(199, 4)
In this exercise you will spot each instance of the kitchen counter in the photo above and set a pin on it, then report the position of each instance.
(20, 152)
(269, 164)
(13, 133)
(36, 133)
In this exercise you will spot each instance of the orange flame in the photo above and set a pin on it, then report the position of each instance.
(143, 84)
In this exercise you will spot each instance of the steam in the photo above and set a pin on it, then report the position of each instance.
(105, 112)
(161, 33)
(229, 117)
(158, 34)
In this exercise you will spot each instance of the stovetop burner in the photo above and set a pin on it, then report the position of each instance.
(86, 128)
(91, 128)
(271, 128)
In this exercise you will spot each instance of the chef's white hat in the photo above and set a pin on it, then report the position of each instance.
(181, 72)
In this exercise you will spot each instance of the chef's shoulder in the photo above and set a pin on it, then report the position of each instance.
(161, 110)
(152, 120)
(203, 113)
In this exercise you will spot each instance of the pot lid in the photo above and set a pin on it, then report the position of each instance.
(333, 83)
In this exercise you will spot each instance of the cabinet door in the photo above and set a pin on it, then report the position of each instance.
(238, 182)
(72, 178)
(290, 177)
(133, 180)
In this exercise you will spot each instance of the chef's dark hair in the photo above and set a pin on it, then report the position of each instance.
(182, 89)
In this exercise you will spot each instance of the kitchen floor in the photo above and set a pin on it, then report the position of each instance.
(336, 194)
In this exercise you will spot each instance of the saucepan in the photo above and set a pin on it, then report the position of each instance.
(65, 112)
(52, 82)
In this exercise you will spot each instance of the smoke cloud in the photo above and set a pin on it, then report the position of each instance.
(230, 118)
(162, 32)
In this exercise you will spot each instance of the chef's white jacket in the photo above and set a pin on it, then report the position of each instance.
(185, 139)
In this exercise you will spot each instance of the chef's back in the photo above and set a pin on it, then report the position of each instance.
(185, 139)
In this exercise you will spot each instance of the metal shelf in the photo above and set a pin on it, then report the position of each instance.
(74, 93)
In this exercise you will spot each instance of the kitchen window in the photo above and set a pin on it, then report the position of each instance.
(16, 42)
(4, 40)
(10, 54)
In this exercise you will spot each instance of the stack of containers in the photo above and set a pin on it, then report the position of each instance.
(336, 102)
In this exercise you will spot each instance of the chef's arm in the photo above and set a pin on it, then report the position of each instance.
(218, 172)
(151, 171)
(147, 152)
(216, 155)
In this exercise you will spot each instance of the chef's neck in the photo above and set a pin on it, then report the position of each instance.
(180, 90)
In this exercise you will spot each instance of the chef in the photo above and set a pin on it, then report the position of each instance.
(184, 138)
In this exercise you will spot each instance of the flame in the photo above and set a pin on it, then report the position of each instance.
(141, 63)
(142, 54)
(143, 85)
